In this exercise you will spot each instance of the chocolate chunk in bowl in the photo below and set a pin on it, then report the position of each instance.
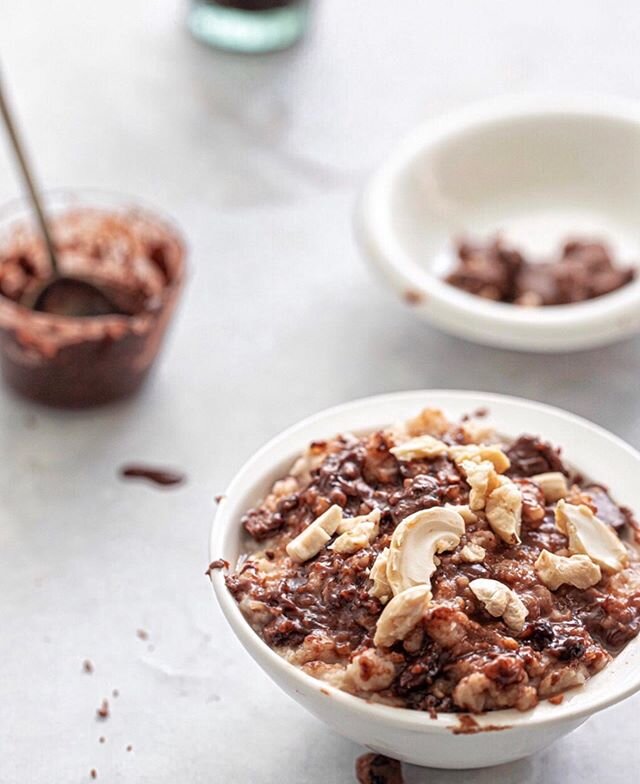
(64, 359)
(488, 600)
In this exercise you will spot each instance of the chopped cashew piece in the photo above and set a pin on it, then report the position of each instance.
(430, 421)
(464, 510)
(419, 447)
(482, 479)
(553, 485)
(401, 615)
(493, 454)
(478, 431)
(380, 589)
(415, 543)
(360, 535)
(347, 523)
(473, 553)
(504, 511)
(500, 600)
(556, 570)
(315, 536)
(588, 535)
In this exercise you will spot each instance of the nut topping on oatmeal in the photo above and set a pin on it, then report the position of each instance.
(380, 589)
(504, 511)
(430, 421)
(419, 447)
(315, 536)
(588, 535)
(464, 511)
(482, 479)
(473, 553)
(401, 615)
(479, 453)
(415, 543)
(362, 531)
(499, 600)
(553, 485)
(556, 570)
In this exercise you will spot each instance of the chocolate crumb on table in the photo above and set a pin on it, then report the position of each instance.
(87, 666)
(115, 693)
(129, 748)
(165, 477)
(141, 634)
(378, 769)
(93, 773)
(102, 739)
(582, 270)
(103, 711)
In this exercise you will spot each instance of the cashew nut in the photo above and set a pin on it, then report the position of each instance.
(472, 553)
(401, 615)
(419, 447)
(553, 485)
(464, 510)
(429, 421)
(556, 570)
(380, 589)
(478, 453)
(500, 600)
(504, 511)
(588, 535)
(315, 536)
(416, 541)
(482, 479)
(364, 530)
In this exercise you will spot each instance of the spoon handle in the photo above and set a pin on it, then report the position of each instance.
(27, 177)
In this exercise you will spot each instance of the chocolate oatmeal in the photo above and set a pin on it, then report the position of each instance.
(438, 567)
(583, 270)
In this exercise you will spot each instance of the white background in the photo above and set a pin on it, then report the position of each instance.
(260, 160)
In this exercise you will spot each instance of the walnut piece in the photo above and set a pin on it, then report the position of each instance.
(556, 570)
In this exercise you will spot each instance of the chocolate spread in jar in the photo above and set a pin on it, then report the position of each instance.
(75, 362)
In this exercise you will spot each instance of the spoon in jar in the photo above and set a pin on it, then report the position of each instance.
(59, 294)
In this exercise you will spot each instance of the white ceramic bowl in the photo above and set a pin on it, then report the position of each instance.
(409, 735)
(536, 170)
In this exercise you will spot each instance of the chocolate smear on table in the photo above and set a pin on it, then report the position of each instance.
(165, 477)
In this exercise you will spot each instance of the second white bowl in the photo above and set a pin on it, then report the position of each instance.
(538, 171)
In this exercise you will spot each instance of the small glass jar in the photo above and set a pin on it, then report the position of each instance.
(82, 361)
(250, 26)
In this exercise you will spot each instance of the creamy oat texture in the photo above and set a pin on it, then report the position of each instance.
(434, 566)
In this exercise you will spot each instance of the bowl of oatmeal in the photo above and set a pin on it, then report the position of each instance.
(555, 181)
(449, 578)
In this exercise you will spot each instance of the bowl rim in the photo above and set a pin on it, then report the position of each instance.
(380, 242)
(542, 714)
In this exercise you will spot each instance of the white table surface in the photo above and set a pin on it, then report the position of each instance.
(260, 160)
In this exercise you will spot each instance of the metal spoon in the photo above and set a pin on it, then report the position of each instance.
(59, 294)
